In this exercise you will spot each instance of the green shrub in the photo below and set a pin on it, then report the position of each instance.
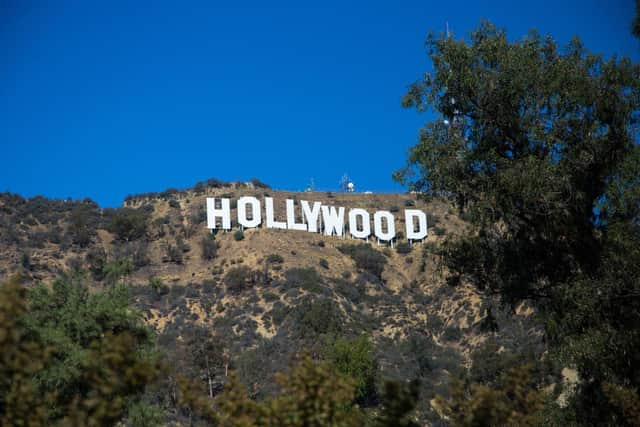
(173, 253)
(82, 225)
(240, 278)
(439, 231)
(278, 313)
(365, 257)
(116, 270)
(356, 359)
(96, 258)
(324, 263)
(275, 259)
(238, 235)
(319, 317)
(26, 261)
(128, 224)
(209, 247)
(270, 297)
(452, 333)
(144, 414)
(158, 286)
(403, 248)
(137, 251)
(259, 184)
(304, 278)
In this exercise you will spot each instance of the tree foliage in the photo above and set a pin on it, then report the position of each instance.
(128, 224)
(529, 141)
(70, 357)
(355, 358)
(537, 147)
(515, 401)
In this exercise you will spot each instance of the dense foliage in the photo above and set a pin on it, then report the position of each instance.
(537, 147)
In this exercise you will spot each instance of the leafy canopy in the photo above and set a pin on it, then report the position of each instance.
(535, 144)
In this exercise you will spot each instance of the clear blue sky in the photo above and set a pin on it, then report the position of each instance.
(102, 99)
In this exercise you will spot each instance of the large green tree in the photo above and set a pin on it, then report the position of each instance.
(536, 145)
(528, 139)
(70, 356)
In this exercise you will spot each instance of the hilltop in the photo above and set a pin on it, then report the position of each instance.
(265, 294)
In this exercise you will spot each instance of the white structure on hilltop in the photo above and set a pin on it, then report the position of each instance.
(346, 185)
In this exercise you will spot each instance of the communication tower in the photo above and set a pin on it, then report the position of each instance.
(346, 185)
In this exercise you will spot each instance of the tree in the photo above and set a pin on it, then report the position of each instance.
(365, 257)
(537, 147)
(206, 354)
(515, 401)
(128, 224)
(74, 323)
(312, 395)
(20, 359)
(398, 401)
(355, 358)
(68, 357)
(528, 141)
(209, 247)
(80, 227)
(116, 270)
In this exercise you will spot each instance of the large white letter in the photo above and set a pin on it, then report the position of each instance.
(255, 211)
(412, 234)
(271, 222)
(377, 225)
(311, 215)
(291, 218)
(224, 212)
(333, 221)
(353, 223)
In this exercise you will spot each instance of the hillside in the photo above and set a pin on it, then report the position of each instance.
(270, 294)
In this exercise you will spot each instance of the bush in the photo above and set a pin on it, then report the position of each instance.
(259, 184)
(409, 203)
(270, 297)
(355, 358)
(82, 224)
(439, 231)
(278, 313)
(143, 414)
(173, 253)
(275, 259)
(319, 317)
(305, 278)
(137, 251)
(403, 248)
(238, 235)
(128, 224)
(324, 263)
(158, 286)
(173, 203)
(349, 290)
(96, 258)
(452, 333)
(365, 257)
(209, 247)
(238, 279)
(26, 261)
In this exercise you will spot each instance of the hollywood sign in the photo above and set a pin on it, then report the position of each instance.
(315, 218)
